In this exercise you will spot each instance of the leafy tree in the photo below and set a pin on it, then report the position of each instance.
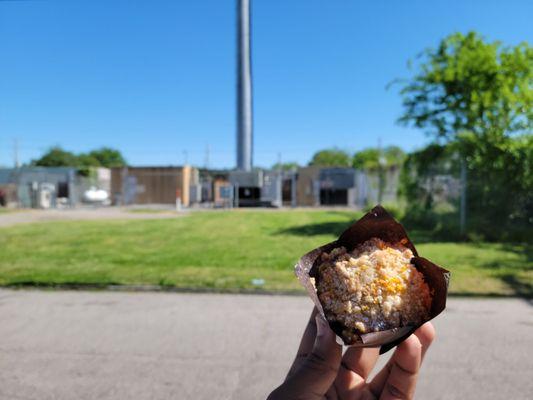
(469, 85)
(108, 157)
(331, 158)
(475, 98)
(286, 166)
(86, 160)
(394, 156)
(369, 159)
(56, 157)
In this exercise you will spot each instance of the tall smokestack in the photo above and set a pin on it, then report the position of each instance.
(244, 88)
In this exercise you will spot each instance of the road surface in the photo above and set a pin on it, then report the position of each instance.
(66, 345)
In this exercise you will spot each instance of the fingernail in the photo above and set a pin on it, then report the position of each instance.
(321, 325)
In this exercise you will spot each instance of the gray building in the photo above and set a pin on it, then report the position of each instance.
(49, 187)
(40, 187)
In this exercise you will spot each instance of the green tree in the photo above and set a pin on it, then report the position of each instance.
(469, 85)
(369, 159)
(286, 166)
(56, 157)
(108, 157)
(331, 158)
(86, 160)
(475, 98)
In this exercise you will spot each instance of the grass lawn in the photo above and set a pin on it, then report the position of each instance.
(225, 250)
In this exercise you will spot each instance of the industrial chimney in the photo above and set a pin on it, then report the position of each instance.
(244, 88)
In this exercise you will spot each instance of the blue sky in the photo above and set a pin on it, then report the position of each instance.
(155, 79)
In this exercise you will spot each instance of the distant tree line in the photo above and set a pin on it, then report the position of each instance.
(102, 157)
(369, 159)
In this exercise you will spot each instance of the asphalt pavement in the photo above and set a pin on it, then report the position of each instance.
(66, 345)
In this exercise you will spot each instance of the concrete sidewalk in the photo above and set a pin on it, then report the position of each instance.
(28, 216)
(105, 345)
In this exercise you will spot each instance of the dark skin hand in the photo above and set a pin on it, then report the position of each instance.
(321, 371)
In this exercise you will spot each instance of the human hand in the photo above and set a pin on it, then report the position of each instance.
(321, 371)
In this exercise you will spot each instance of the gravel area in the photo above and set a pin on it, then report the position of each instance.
(80, 214)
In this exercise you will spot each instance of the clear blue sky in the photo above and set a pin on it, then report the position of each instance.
(156, 78)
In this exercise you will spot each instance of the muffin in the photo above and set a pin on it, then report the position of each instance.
(371, 285)
(372, 288)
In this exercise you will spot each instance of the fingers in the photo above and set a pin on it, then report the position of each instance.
(401, 381)
(424, 336)
(356, 365)
(318, 370)
(360, 360)
(306, 343)
(308, 338)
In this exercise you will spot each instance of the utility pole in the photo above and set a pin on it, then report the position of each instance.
(16, 153)
(206, 160)
(244, 88)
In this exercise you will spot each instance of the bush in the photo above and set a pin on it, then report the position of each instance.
(418, 218)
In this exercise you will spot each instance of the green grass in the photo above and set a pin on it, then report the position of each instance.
(225, 250)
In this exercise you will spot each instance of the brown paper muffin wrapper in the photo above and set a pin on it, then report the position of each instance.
(377, 223)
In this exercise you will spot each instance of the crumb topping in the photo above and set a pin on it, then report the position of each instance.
(373, 288)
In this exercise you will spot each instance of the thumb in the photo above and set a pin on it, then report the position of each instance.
(319, 370)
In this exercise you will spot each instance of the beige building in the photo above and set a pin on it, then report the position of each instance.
(306, 186)
(153, 185)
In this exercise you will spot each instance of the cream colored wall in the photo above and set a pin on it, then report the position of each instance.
(185, 185)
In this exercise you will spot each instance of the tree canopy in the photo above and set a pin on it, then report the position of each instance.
(108, 157)
(58, 157)
(369, 159)
(286, 166)
(331, 158)
(467, 84)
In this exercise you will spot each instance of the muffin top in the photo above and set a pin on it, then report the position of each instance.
(372, 288)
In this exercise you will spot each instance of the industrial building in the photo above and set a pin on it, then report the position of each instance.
(155, 185)
(313, 186)
(49, 187)
(326, 186)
